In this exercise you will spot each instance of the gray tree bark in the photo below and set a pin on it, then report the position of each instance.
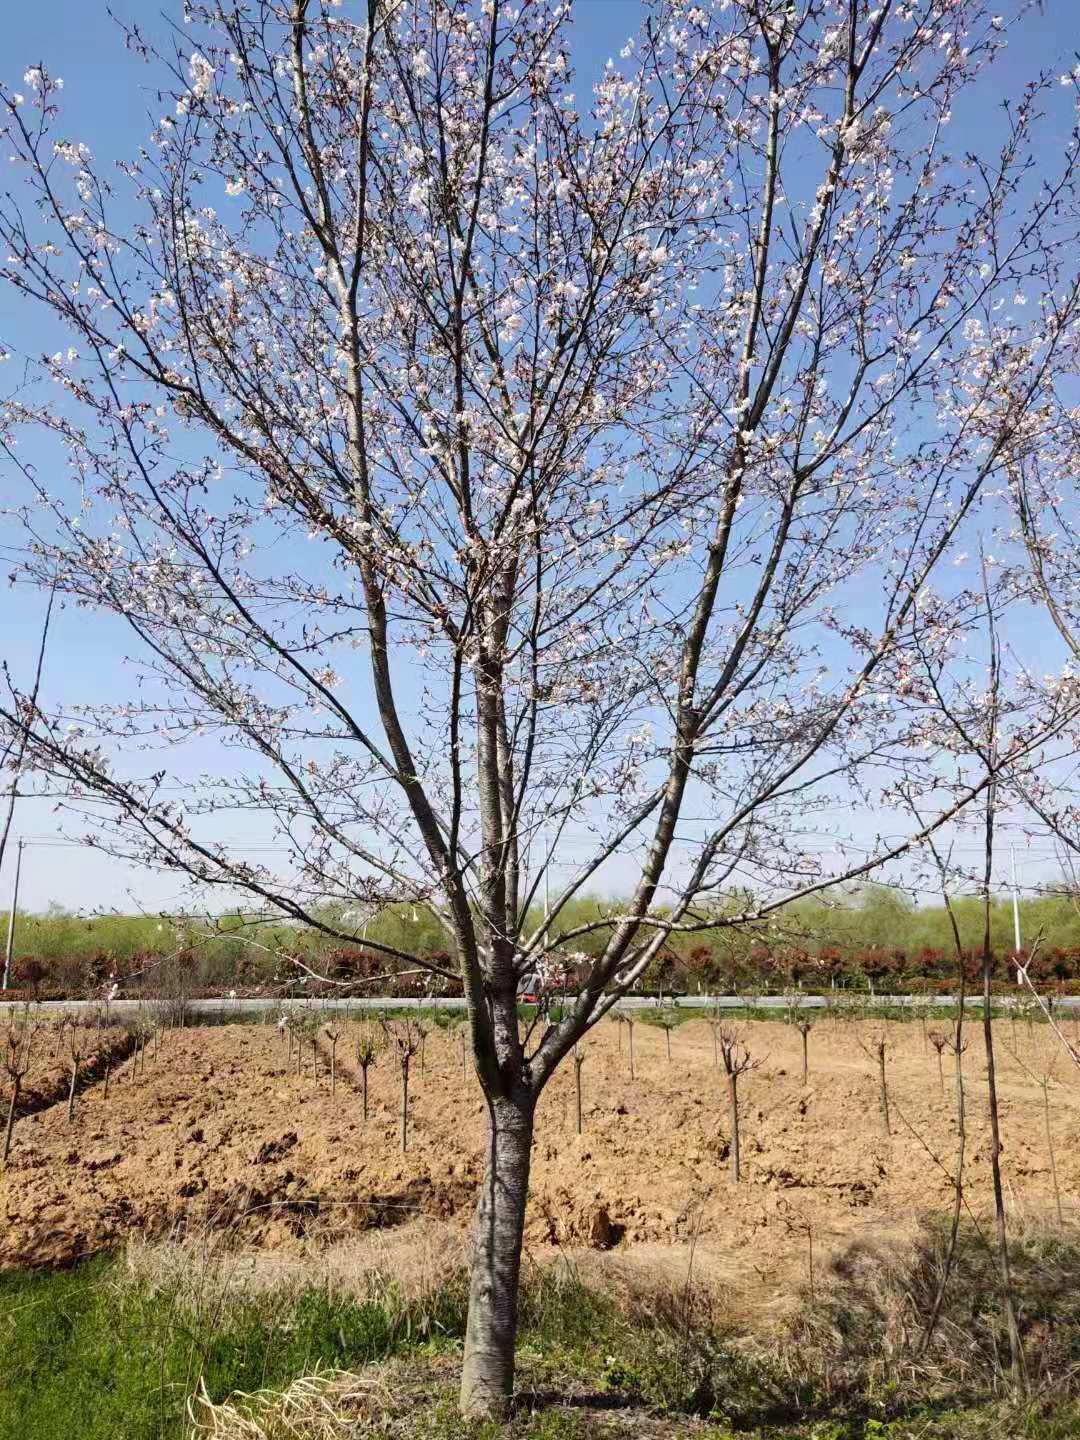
(404, 1128)
(15, 1085)
(487, 1379)
(733, 1097)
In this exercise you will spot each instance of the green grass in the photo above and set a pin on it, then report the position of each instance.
(87, 1358)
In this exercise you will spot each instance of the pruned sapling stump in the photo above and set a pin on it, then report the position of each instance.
(75, 1055)
(804, 1026)
(333, 1035)
(579, 1061)
(17, 1043)
(404, 1037)
(367, 1052)
(737, 1060)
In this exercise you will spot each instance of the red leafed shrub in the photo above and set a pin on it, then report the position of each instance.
(30, 973)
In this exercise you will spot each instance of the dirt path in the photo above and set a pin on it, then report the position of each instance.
(219, 1130)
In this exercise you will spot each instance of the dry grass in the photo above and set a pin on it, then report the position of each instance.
(677, 1336)
(315, 1407)
(398, 1269)
(865, 1333)
(405, 1268)
(403, 1400)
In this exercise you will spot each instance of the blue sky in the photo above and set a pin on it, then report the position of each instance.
(109, 105)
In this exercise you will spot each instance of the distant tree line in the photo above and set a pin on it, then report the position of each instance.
(874, 938)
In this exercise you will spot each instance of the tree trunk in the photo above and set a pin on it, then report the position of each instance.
(805, 1056)
(579, 1060)
(733, 1094)
(487, 1379)
(71, 1091)
(404, 1103)
(15, 1086)
(1050, 1148)
(630, 1028)
(363, 1072)
(1016, 1352)
(958, 1191)
(667, 1037)
(884, 1090)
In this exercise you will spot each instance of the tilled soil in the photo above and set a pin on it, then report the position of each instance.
(219, 1131)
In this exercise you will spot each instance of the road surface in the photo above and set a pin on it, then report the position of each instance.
(223, 1007)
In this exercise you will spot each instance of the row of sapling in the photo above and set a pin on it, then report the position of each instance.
(298, 1030)
(79, 1041)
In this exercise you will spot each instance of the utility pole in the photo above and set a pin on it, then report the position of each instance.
(1015, 900)
(11, 917)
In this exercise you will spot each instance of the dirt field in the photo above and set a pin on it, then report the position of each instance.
(219, 1130)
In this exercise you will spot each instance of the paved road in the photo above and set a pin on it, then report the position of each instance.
(224, 1006)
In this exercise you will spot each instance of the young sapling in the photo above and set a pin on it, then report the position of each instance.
(667, 1020)
(367, 1052)
(406, 1037)
(76, 1054)
(877, 1048)
(16, 1063)
(804, 1026)
(628, 1020)
(716, 1026)
(737, 1061)
(333, 1035)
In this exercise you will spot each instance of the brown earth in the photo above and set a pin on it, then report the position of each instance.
(218, 1131)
